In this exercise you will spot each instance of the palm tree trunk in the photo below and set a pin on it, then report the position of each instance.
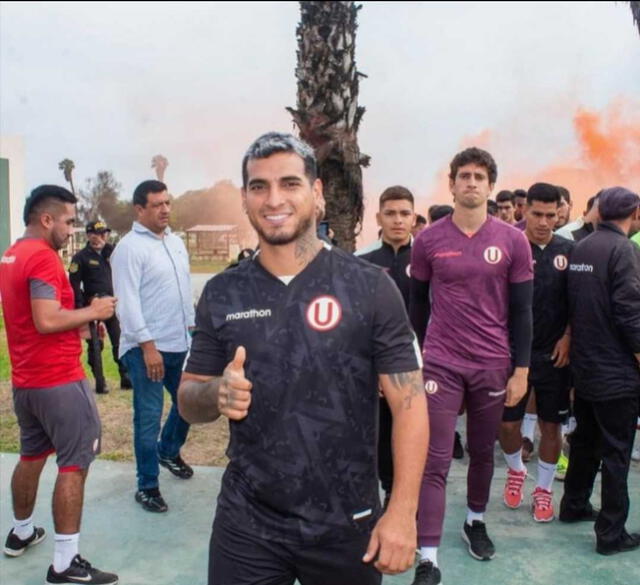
(635, 10)
(327, 114)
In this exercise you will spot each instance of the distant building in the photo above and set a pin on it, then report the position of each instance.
(213, 242)
(12, 189)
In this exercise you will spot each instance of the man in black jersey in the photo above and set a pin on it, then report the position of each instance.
(548, 373)
(291, 346)
(395, 218)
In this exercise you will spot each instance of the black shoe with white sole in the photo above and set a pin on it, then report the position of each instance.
(427, 574)
(151, 500)
(14, 546)
(476, 537)
(80, 571)
(177, 466)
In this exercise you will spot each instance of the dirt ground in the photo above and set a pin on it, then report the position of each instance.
(205, 446)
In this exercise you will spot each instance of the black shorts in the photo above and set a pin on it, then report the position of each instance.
(62, 419)
(238, 558)
(551, 386)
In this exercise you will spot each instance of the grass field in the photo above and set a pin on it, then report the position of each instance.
(205, 445)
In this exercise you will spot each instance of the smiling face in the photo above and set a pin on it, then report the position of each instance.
(471, 187)
(279, 199)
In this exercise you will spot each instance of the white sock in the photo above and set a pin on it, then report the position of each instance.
(471, 516)
(64, 549)
(514, 461)
(429, 553)
(23, 529)
(546, 473)
(573, 423)
(529, 425)
(564, 429)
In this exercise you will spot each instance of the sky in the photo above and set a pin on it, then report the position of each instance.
(110, 85)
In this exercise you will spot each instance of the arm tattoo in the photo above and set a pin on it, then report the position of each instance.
(409, 383)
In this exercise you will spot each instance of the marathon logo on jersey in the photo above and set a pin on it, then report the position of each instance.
(560, 262)
(324, 313)
(250, 314)
(581, 267)
(431, 386)
(7, 260)
(448, 254)
(492, 255)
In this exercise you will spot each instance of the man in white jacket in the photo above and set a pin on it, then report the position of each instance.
(151, 276)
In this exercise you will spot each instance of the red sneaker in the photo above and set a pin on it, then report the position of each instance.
(542, 505)
(513, 488)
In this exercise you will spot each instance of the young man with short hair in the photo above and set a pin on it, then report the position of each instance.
(506, 202)
(548, 373)
(520, 201)
(54, 404)
(396, 218)
(292, 345)
(471, 282)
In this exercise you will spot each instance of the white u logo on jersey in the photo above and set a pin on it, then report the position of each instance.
(431, 386)
(324, 313)
(492, 255)
(560, 262)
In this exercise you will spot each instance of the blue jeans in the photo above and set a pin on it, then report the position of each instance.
(148, 399)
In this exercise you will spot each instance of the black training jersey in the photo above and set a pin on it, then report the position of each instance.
(397, 265)
(303, 463)
(550, 300)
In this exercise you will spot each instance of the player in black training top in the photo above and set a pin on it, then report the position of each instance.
(292, 346)
(395, 218)
(548, 372)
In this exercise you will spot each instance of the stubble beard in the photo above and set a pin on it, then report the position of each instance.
(282, 239)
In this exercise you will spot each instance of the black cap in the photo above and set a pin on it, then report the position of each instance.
(97, 227)
(617, 203)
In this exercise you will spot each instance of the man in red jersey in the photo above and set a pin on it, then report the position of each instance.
(53, 402)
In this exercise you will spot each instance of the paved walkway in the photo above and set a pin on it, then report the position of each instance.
(171, 549)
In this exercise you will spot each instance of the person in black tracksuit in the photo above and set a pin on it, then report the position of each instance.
(90, 276)
(604, 312)
(396, 218)
(548, 373)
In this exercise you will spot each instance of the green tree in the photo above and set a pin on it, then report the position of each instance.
(327, 114)
(100, 200)
(67, 166)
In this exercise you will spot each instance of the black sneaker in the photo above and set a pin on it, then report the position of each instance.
(151, 500)
(125, 382)
(176, 466)
(625, 543)
(101, 387)
(588, 514)
(427, 574)
(15, 546)
(480, 545)
(458, 451)
(80, 571)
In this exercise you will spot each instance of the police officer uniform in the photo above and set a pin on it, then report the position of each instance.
(90, 276)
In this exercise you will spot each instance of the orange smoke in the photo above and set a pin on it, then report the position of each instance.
(606, 153)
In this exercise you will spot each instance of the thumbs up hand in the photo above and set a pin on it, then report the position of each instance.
(234, 394)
